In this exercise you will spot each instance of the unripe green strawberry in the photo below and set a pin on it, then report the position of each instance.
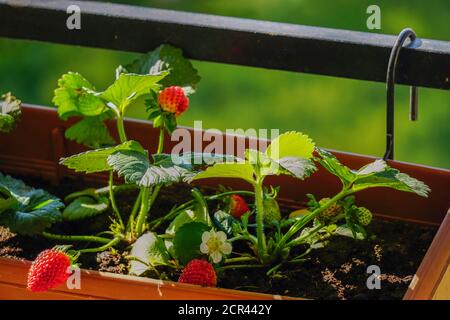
(271, 211)
(364, 216)
(330, 212)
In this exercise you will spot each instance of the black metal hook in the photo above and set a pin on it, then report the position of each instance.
(390, 84)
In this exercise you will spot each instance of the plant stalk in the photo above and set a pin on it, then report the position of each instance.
(113, 200)
(187, 205)
(130, 223)
(149, 196)
(143, 211)
(262, 248)
(75, 238)
(161, 141)
(301, 239)
(240, 266)
(121, 129)
(110, 244)
(305, 220)
(240, 259)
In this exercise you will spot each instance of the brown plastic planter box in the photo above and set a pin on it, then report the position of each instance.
(36, 145)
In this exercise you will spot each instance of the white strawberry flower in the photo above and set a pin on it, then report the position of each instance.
(215, 245)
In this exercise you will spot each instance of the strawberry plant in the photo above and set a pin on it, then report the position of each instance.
(166, 79)
(9, 112)
(311, 228)
(198, 238)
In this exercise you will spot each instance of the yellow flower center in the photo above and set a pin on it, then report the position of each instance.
(214, 244)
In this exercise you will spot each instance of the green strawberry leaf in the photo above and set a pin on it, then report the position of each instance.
(298, 167)
(128, 87)
(129, 164)
(85, 207)
(191, 160)
(135, 167)
(96, 160)
(335, 167)
(197, 213)
(91, 132)
(75, 96)
(10, 112)
(187, 240)
(190, 215)
(149, 249)
(291, 144)
(7, 200)
(34, 210)
(371, 168)
(392, 178)
(228, 170)
(375, 174)
(169, 58)
(347, 231)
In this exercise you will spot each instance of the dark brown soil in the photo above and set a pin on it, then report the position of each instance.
(338, 271)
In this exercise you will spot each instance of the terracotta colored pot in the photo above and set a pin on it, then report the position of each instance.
(36, 145)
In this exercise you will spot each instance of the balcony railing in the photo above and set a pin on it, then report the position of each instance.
(332, 52)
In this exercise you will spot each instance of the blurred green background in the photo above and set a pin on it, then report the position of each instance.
(337, 113)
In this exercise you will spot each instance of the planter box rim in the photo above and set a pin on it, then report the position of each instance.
(24, 158)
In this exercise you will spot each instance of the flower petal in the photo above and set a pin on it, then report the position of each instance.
(216, 256)
(221, 236)
(204, 248)
(206, 236)
(226, 248)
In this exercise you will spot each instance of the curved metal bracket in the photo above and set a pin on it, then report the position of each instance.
(390, 84)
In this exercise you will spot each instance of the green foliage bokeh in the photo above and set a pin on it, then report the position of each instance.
(338, 113)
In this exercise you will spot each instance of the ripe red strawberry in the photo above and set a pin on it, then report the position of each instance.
(48, 270)
(238, 206)
(199, 272)
(173, 100)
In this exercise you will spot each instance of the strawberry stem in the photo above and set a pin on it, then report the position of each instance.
(143, 212)
(262, 249)
(148, 196)
(306, 219)
(130, 223)
(75, 238)
(161, 140)
(121, 129)
(110, 244)
(113, 199)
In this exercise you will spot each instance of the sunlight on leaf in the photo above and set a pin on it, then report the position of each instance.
(74, 97)
(96, 160)
(228, 170)
(291, 144)
(149, 249)
(136, 168)
(392, 178)
(129, 87)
